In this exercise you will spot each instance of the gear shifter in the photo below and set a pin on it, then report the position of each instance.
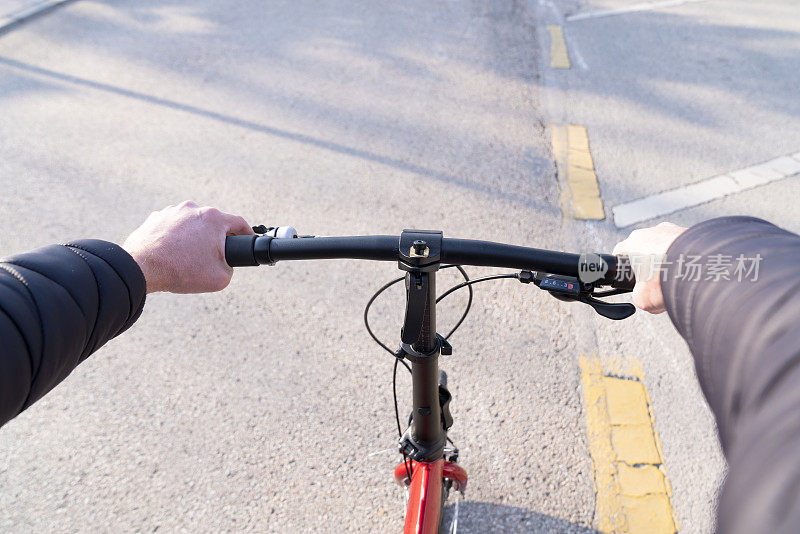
(567, 288)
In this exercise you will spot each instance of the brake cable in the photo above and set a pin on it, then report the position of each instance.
(400, 279)
(523, 276)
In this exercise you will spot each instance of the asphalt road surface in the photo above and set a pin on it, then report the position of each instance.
(260, 408)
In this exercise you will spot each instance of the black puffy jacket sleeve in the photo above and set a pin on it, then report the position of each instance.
(59, 304)
(744, 334)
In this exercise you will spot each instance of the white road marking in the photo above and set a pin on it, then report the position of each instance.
(554, 8)
(576, 53)
(9, 19)
(710, 189)
(645, 6)
(786, 165)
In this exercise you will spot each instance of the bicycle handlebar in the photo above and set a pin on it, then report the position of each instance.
(242, 251)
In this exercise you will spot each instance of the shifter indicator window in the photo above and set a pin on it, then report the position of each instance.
(557, 284)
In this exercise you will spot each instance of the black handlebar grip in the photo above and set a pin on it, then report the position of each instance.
(239, 250)
(624, 277)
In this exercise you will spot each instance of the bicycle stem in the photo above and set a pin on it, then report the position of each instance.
(419, 255)
(427, 432)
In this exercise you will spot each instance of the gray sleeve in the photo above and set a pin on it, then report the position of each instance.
(741, 321)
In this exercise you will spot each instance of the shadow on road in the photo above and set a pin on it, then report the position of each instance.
(261, 128)
(342, 70)
(351, 49)
(27, 18)
(488, 517)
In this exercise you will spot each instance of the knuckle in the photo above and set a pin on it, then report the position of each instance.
(208, 212)
(205, 214)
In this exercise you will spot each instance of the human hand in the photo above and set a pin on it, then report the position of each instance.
(181, 249)
(646, 249)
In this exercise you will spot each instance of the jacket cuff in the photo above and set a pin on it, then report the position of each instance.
(697, 240)
(126, 268)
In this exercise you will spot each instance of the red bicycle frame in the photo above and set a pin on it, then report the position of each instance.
(425, 492)
(424, 499)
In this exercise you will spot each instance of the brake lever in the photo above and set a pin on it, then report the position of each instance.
(612, 310)
(567, 289)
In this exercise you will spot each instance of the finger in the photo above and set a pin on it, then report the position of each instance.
(236, 225)
(646, 299)
(223, 278)
(637, 296)
(654, 308)
(642, 298)
(620, 249)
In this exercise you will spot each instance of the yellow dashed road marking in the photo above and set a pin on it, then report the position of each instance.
(632, 489)
(580, 195)
(559, 58)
